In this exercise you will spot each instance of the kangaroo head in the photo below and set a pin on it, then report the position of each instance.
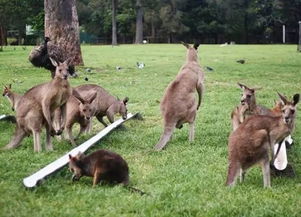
(7, 90)
(61, 69)
(75, 166)
(122, 108)
(86, 108)
(278, 105)
(192, 51)
(247, 96)
(289, 108)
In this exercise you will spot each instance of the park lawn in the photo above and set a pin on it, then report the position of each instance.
(186, 179)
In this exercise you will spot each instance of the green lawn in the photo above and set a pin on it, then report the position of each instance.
(186, 179)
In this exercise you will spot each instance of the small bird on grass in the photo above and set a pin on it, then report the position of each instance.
(241, 61)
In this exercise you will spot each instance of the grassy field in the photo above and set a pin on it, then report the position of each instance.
(186, 179)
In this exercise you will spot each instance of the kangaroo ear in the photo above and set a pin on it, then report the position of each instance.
(125, 100)
(296, 98)
(54, 62)
(9, 86)
(80, 155)
(283, 99)
(91, 99)
(70, 157)
(68, 61)
(196, 45)
(78, 96)
(185, 44)
(242, 86)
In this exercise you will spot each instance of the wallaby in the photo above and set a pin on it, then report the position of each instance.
(247, 107)
(30, 119)
(105, 104)
(178, 105)
(13, 98)
(53, 95)
(104, 166)
(252, 141)
(79, 111)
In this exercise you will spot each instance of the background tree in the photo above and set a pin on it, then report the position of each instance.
(139, 22)
(61, 26)
(114, 24)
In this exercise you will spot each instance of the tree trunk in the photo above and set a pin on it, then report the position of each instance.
(153, 28)
(299, 46)
(61, 26)
(114, 25)
(1, 37)
(139, 23)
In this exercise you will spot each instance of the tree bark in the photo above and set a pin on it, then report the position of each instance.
(61, 26)
(299, 46)
(1, 37)
(114, 25)
(139, 23)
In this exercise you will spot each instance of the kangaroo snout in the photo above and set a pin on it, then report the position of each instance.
(75, 178)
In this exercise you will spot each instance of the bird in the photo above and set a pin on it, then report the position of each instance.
(209, 68)
(241, 61)
(140, 65)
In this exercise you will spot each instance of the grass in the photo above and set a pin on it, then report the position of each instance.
(186, 179)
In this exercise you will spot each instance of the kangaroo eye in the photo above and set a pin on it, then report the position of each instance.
(283, 111)
(60, 70)
(292, 112)
(84, 110)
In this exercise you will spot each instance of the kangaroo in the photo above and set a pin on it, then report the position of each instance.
(104, 166)
(78, 111)
(30, 120)
(251, 142)
(178, 105)
(13, 98)
(247, 107)
(53, 95)
(105, 104)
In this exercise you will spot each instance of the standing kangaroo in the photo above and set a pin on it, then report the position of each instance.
(53, 95)
(105, 104)
(13, 98)
(79, 111)
(252, 141)
(179, 104)
(30, 120)
(247, 107)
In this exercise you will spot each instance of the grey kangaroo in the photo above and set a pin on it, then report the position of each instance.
(254, 139)
(178, 105)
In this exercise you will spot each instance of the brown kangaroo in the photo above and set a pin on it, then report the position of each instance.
(13, 98)
(252, 141)
(178, 105)
(30, 119)
(53, 95)
(105, 104)
(79, 111)
(247, 107)
(104, 166)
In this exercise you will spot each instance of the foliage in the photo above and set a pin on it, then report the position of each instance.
(209, 21)
(186, 179)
